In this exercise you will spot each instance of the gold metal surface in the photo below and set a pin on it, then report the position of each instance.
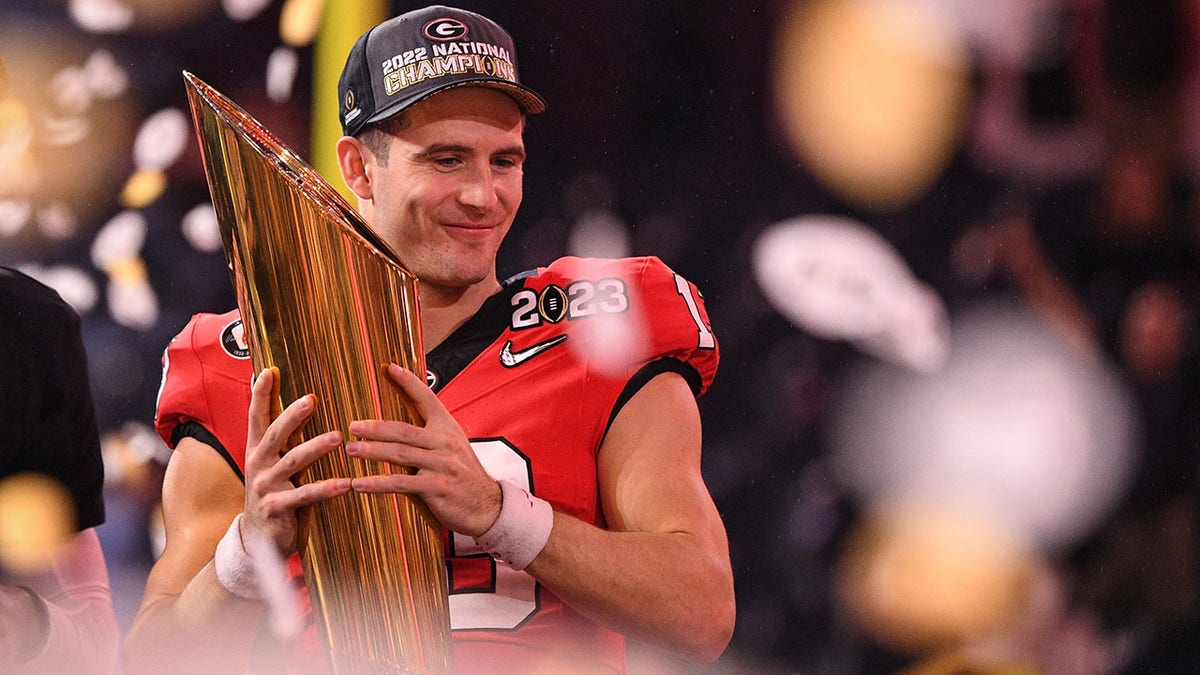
(326, 301)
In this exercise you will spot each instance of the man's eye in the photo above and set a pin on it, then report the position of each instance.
(447, 161)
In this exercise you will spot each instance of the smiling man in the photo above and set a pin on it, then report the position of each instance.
(573, 465)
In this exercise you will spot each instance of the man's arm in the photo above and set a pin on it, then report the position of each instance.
(187, 619)
(661, 573)
(61, 620)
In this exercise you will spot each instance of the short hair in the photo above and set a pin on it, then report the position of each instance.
(375, 135)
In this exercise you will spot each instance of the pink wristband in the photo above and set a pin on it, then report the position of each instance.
(522, 529)
(235, 569)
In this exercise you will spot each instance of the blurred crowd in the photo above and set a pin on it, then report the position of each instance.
(1055, 186)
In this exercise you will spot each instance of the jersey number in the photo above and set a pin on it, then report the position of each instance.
(706, 339)
(483, 593)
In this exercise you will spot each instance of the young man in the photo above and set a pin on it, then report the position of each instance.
(602, 526)
(56, 616)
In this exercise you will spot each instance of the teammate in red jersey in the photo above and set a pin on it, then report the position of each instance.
(562, 436)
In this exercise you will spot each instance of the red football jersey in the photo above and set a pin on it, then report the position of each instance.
(535, 378)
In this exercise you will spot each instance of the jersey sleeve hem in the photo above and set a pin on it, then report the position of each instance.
(644, 375)
(200, 433)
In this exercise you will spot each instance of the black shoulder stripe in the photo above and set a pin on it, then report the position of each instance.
(649, 372)
(197, 431)
(470, 340)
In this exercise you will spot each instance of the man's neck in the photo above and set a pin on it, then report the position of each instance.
(443, 309)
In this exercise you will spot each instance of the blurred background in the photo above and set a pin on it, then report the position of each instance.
(949, 250)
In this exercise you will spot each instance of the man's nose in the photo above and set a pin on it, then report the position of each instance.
(479, 188)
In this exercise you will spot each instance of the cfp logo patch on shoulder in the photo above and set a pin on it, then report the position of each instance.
(580, 299)
(233, 340)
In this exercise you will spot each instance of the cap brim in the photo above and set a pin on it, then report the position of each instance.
(526, 99)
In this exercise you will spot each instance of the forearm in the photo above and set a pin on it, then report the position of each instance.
(70, 611)
(188, 621)
(81, 633)
(203, 629)
(672, 590)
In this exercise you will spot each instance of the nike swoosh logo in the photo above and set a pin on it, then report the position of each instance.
(511, 359)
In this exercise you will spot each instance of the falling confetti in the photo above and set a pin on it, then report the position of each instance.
(101, 16)
(924, 575)
(36, 521)
(161, 139)
(837, 279)
(1016, 425)
(201, 229)
(16, 137)
(57, 220)
(143, 187)
(244, 10)
(72, 283)
(872, 95)
(282, 67)
(65, 131)
(14, 215)
(299, 21)
(105, 78)
(599, 233)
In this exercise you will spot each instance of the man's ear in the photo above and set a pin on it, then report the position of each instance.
(352, 160)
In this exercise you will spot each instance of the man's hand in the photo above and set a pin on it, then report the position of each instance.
(449, 477)
(271, 497)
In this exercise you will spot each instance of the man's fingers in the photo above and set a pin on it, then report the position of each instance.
(399, 454)
(277, 471)
(427, 403)
(388, 431)
(273, 441)
(260, 405)
(289, 421)
(311, 493)
(397, 482)
(300, 457)
(286, 502)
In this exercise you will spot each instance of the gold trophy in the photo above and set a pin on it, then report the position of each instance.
(325, 300)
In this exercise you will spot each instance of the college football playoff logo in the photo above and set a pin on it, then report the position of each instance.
(233, 340)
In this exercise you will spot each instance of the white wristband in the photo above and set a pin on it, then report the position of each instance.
(520, 532)
(235, 569)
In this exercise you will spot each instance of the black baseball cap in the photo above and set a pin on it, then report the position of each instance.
(413, 56)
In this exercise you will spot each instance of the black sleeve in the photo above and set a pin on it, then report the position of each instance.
(52, 429)
(199, 432)
(647, 373)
